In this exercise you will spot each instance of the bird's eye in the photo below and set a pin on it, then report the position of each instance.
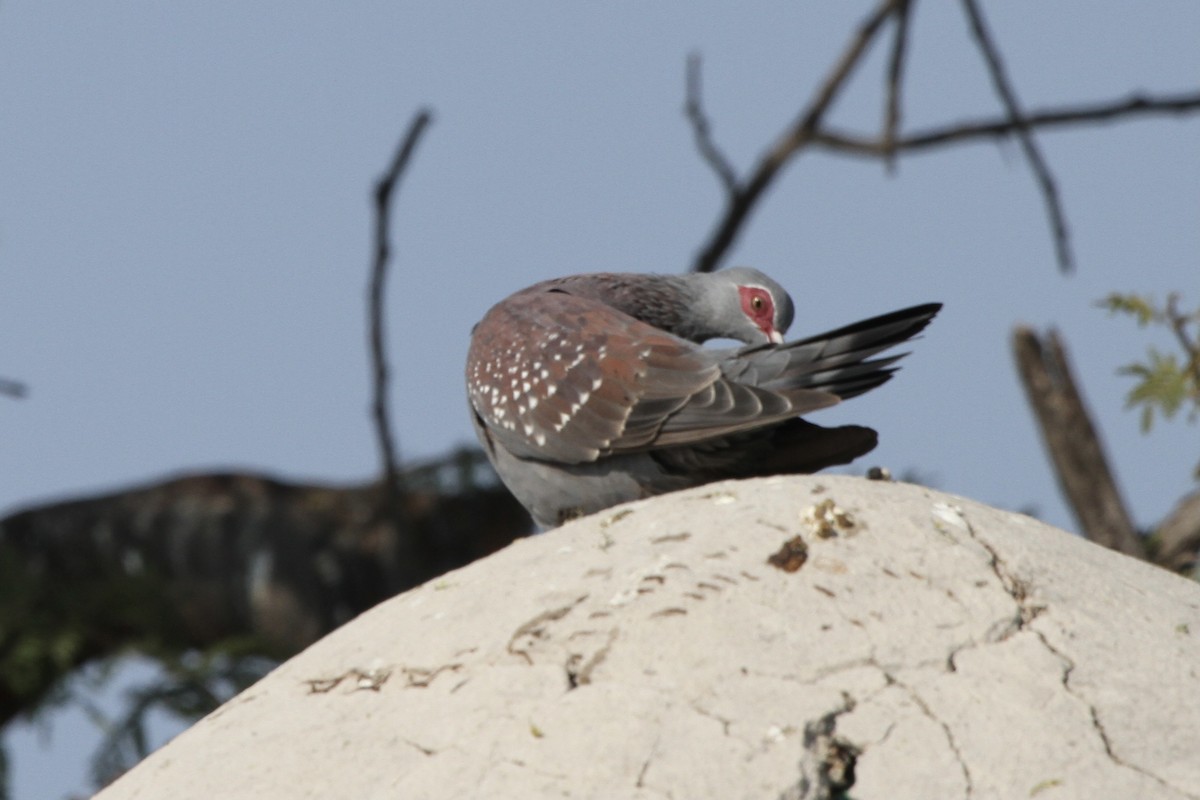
(759, 308)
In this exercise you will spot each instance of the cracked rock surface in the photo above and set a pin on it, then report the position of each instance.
(911, 645)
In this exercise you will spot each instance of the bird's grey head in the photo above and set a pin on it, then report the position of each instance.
(744, 304)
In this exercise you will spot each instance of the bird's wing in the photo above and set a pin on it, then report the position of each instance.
(838, 361)
(563, 378)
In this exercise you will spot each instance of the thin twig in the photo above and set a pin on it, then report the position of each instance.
(965, 132)
(891, 120)
(694, 109)
(1178, 322)
(744, 197)
(13, 388)
(1041, 170)
(380, 373)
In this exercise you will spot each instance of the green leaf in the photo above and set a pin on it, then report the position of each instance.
(1142, 308)
(1163, 385)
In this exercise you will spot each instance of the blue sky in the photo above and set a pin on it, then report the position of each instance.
(185, 223)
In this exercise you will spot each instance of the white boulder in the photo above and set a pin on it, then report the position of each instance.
(926, 646)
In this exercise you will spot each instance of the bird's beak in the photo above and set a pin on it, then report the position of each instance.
(775, 336)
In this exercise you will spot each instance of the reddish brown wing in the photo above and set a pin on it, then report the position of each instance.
(564, 378)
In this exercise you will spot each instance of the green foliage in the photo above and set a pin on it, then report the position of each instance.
(1141, 308)
(1167, 382)
(1162, 385)
(48, 631)
(34, 651)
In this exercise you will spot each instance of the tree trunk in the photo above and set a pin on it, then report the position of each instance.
(1074, 446)
(205, 559)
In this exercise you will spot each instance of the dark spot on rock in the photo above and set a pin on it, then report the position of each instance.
(791, 555)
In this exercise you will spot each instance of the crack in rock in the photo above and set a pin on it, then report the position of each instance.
(947, 731)
(579, 671)
(827, 763)
(370, 679)
(422, 749)
(1097, 724)
(1027, 612)
(830, 670)
(724, 722)
(535, 628)
(545, 773)
(641, 783)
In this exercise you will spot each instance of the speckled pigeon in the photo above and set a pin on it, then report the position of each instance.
(592, 390)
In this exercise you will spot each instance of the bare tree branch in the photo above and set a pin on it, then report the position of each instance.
(892, 114)
(194, 562)
(744, 196)
(965, 132)
(13, 388)
(1178, 537)
(694, 109)
(380, 373)
(1070, 436)
(1041, 170)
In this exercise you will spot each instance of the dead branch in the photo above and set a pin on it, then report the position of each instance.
(744, 196)
(694, 109)
(13, 388)
(375, 298)
(892, 113)
(1033, 154)
(1177, 538)
(1074, 445)
(848, 143)
(195, 562)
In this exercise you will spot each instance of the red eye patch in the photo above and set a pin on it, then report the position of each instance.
(760, 308)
